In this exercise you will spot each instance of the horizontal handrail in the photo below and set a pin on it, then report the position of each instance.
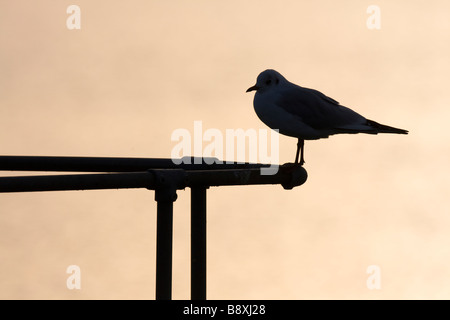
(287, 176)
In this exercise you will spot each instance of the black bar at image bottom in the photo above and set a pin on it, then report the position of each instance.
(248, 309)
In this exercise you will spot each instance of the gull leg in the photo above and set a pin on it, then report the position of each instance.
(298, 150)
(300, 146)
(302, 160)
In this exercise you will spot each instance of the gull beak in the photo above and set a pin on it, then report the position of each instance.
(255, 87)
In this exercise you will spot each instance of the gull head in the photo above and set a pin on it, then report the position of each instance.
(268, 80)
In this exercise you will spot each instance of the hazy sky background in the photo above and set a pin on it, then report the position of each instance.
(138, 70)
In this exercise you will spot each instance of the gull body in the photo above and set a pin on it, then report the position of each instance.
(306, 114)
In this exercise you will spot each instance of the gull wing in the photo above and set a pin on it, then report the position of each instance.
(321, 112)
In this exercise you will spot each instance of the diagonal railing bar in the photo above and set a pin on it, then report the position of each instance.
(110, 164)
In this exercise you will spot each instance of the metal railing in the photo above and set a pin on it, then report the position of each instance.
(161, 175)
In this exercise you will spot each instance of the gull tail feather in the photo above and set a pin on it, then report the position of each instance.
(381, 128)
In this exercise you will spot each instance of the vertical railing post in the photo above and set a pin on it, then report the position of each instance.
(198, 243)
(164, 236)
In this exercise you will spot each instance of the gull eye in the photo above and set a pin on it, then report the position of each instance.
(268, 81)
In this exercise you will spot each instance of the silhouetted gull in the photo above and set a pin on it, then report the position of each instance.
(306, 114)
